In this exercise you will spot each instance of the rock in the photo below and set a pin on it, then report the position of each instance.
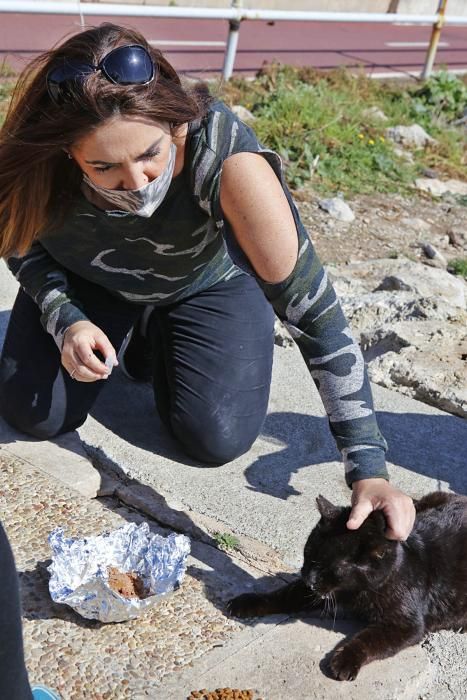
(378, 309)
(425, 362)
(416, 224)
(337, 208)
(392, 283)
(411, 322)
(429, 172)
(243, 113)
(375, 113)
(456, 238)
(424, 281)
(434, 254)
(438, 188)
(405, 155)
(413, 136)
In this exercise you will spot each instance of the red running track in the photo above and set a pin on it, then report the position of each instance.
(380, 48)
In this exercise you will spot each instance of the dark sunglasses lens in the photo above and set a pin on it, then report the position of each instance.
(63, 79)
(128, 65)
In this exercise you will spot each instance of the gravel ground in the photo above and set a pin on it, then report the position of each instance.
(87, 660)
(385, 226)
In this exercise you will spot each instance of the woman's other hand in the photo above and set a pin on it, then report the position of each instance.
(81, 341)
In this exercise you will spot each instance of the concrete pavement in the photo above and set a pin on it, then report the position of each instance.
(266, 498)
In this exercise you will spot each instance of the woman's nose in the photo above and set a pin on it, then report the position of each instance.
(134, 178)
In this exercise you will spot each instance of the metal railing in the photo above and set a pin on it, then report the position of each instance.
(235, 15)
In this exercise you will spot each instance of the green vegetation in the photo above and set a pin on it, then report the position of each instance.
(304, 113)
(226, 541)
(459, 267)
(6, 88)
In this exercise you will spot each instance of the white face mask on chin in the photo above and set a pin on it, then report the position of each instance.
(145, 200)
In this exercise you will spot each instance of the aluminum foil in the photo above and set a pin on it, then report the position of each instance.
(79, 570)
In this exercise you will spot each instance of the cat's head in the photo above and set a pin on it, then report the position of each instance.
(337, 558)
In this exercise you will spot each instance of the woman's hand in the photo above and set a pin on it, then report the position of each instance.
(78, 358)
(378, 494)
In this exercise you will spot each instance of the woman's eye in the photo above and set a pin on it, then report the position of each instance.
(148, 156)
(151, 155)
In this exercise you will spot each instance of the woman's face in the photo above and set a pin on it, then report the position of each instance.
(124, 153)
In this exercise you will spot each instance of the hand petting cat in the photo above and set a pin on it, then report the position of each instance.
(377, 494)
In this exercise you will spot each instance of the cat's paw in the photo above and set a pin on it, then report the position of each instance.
(246, 605)
(345, 664)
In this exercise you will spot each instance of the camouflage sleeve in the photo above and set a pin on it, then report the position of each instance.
(307, 304)
(46, 282)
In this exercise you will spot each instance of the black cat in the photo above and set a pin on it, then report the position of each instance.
(402, 589)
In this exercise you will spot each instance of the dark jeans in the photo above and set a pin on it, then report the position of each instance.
(13, 677)
(212, 366)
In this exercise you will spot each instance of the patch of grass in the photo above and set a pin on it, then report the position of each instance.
(459, 267)
(6, 88)
(226, 541)
(6, 71)
(304, 113)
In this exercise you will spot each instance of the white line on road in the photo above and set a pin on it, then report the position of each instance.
(172, 42)
(412, 73)
(408, 44)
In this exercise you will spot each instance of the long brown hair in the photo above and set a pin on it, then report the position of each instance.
(37, 180)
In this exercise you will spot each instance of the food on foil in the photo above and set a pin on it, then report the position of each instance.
(118, 575)
(129, 585)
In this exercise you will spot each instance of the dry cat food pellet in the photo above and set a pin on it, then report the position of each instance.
(222, 694)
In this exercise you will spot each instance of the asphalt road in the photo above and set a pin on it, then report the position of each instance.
(197, 46)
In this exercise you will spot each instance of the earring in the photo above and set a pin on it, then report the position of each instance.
(70, 156)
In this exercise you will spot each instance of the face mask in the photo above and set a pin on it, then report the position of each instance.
(145, 200)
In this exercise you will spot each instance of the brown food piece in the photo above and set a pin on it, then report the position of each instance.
(221, 694)
(129, 585)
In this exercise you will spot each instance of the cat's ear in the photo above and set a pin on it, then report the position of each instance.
(327, 509)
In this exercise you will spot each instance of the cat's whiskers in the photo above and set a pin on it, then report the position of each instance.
(334, 602)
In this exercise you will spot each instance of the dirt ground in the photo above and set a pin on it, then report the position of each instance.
(386, 226)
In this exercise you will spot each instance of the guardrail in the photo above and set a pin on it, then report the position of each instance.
(235, 15)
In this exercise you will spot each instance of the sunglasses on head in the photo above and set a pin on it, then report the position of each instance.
(125, 65)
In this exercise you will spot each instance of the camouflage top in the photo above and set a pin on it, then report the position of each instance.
(185, 247)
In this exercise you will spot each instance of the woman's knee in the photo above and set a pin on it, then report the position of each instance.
(216, 441)
(40, 431)
(29, 419)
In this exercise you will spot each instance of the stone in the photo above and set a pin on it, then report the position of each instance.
(374, 113)
(411, 327)
(415, 224)
(243, 113)
(393, 283)
(424, 281)
(337, 208)
(437, 188)
(405, 155)
(413, 136)
(434, 254)
(456, 238)
(429, 172)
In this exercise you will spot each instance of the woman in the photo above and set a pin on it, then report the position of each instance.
(120, 189)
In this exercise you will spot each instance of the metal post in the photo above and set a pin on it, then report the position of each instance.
(435, 35)
(232, 43)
